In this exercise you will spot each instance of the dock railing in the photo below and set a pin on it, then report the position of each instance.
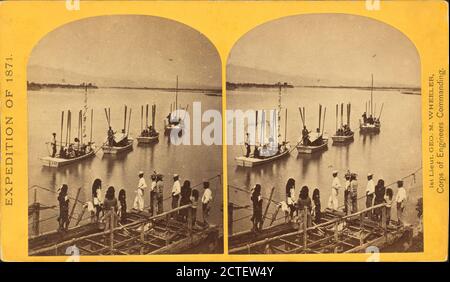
(334, 222)
(110, 232)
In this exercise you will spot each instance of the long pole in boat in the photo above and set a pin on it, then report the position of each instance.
(320, 115)
(109, 116)
(125, 119)
(142, 115)
(342, 114)
(337, 110)
(146, 116)
(380, 111)
(69, 125)
(176, 99)
(62, 127)
(256, 126)
(285, 126)
(371, 98)
(79, 126)
(92, 119)
(323, 124)
(279, 109)
(153, 115)
(129, 121)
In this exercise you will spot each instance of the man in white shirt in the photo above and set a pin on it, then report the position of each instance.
(139, 200)
(206, 199)
(370, 192)
(176, 190)
(400, 199)
(153, 199)
(335, 186)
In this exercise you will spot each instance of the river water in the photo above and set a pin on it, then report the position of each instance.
(390, 155)
(193, 163)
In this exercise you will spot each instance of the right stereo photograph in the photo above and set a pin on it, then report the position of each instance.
(324, 138)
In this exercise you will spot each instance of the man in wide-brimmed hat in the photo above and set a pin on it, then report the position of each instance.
(206, 199)
(370, 193)
(335, 186)
(400, 199)
(139, 200)
(176, 190)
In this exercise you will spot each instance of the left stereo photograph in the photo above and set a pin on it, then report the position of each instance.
(124, 139)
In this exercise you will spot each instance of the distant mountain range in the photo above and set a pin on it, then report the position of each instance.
(47, 75)
(241, 74)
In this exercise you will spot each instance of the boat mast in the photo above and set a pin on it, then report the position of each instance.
(176, 98)
(279, 111)
(84, 118)
(371, 98)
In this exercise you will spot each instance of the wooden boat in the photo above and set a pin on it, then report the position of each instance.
(302, 149)
(251, 162)
(369, 128)
(365, 127)
(147, 139)
(117, 150)
(244, 161)
(343, 133)
(58, 162)
(343, 138)
(145, 130)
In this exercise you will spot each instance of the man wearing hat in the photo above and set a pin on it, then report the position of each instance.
(176, 190)
(370, 192)
(206, 199)
(139, 200)
(53, 145)
(335, 186)
(400, 199)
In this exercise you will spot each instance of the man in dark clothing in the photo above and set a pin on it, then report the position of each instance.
(305, 136)
(54, 145)
(247, 145)
(110, 137)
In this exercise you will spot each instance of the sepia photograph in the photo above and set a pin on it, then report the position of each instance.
(324, 147)
(113, 167)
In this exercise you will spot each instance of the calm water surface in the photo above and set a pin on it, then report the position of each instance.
(193, 163)
(390, 155)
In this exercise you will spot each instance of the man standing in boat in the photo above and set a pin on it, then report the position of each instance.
(305, 136)
(53, 145)
(247, 144)
(364, 116)
(370, 192)
(110, 137)
(176, 190)
(335, 186)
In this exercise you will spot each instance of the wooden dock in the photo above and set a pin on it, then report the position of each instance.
(336, 233)
(141, 234)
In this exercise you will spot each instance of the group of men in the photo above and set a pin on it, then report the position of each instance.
(149, 132)
(71, 150)
(268, 149)
(368, 119)
(371, 195)
(157, 195)
(344, 131)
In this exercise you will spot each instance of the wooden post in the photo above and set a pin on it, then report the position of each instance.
(74, 205)
(111, 232)
(305, 227)
(274, 216)
(36, 214)
(230, 218)
(267, 206)
(189, 221)
(383, 221)
(80, 217)
(143, 233)
(361, 219)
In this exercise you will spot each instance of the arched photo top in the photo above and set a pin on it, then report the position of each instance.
(126, 51)
(325, 49)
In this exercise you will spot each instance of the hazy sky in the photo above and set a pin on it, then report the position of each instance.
(131, 47)
(330, 46)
